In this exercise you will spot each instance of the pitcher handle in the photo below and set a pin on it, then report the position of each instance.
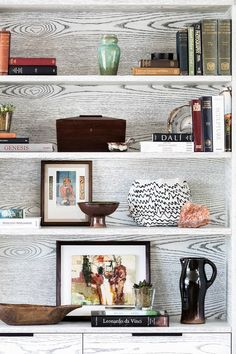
(214, 272)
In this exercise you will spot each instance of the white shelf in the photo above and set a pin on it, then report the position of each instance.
(84, 80)
(61, 4)
(113, 231)
(112, 155)
(213, 326)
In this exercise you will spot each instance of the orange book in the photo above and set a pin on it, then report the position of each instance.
(5, 37)
(155, 71)
(7, 135)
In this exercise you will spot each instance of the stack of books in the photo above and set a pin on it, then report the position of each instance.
(204, 48)
(211, 128)
(158, 64)
(23, 65)
(129, 318)
(9, 142)
(15, 218)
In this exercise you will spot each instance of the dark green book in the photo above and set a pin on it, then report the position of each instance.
(224, 47)
(209, 46)
(182, 51)
(207, 123)
(191, 50)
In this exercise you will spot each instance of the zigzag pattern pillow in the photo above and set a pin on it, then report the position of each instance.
(158, 202)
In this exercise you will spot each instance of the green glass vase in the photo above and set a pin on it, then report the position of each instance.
(108, 55)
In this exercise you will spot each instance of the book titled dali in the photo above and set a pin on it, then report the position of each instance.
(172, 137)
(102, 319)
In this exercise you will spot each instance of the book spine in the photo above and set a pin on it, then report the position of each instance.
(197, 125)
(12, 213)
(32, 70)
(218, 123)
(161, 146)
(224, 47)
(172, 137)
(207, 123)
(197, 49)
(182, 51)
(191, 64)
(14, 140)
(130, 321)
(5, 37)
(228, 119)
(32, 61)
(209, 47)
(26, 147)
(155, 71)
(158, 63)
(20, 223)
(7, 135)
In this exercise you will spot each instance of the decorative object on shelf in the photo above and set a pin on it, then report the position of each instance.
(25, 314)
(157, 202)
(99, 273)
(108, 55)
(63, 185)
(120, 147)
(6, 112)
(193, 215)
(180, 120)
(88, 133)
(97, 211)
(143, 295)
(193, 286)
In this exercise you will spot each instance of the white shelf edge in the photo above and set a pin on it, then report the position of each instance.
(85, 80)
(213, 326)
(113, 231)
(112, 155)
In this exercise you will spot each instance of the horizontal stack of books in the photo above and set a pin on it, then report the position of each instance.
(9, 142)
(204, 48)
(129, 318)
(15, 218)
(23, 65)
(158, 64)
(211, 128)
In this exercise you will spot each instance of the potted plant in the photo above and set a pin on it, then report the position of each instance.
(143, 295)
(6, 111)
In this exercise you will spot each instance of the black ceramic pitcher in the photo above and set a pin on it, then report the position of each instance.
(193, 286)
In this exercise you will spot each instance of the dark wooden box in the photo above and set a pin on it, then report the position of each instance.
(89, 133)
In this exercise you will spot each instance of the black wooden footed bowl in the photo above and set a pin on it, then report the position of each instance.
(97, 211)
(25, 314)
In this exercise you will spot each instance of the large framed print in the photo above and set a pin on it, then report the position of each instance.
(63, 185)
(99, 274)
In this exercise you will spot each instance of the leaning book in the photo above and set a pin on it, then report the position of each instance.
(101, 319)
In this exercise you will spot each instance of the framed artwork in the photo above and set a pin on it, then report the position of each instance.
(63, 185)
(99, 274)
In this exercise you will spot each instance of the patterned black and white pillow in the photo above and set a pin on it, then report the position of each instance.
(158, 202)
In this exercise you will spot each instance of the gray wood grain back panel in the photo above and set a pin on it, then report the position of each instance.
(73, 36)
(112, 181)
(28, 268)
(146, 108)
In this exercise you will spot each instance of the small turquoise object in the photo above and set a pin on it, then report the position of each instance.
(108, 55)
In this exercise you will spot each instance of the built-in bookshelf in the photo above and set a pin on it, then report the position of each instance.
(70, 31)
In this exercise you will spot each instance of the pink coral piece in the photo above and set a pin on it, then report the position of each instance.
(193, 215)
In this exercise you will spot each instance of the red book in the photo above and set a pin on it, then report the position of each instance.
(5, 37)
(197, 125)
(32, 61)
(7, 135)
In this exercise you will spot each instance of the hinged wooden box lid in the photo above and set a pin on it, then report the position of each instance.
(89, 133)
